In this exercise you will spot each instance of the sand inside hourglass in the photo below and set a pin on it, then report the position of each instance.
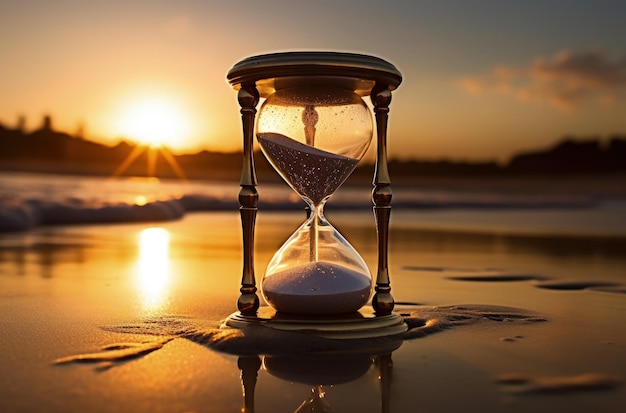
(313, 173)
(316, 287)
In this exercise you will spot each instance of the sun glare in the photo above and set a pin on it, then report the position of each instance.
(154, 122)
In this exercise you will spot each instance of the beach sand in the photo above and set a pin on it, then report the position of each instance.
(92, 321)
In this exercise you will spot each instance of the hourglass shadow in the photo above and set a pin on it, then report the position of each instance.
(257, 339)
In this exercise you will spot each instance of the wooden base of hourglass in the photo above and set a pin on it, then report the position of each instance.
(362, 324)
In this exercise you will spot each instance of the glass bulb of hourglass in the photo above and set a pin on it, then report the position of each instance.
(314, 138)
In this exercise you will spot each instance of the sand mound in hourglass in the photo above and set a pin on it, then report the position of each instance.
(313, 173)
(317, 288)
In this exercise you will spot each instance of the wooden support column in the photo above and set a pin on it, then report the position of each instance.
(382, 301)
(248, 302)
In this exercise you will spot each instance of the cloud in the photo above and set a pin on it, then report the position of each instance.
(567, 81)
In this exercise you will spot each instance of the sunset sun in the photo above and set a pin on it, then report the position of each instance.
(157, 125)
(154, 122)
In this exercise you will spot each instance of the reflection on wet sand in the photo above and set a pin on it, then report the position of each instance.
(318, 371)
(42, 254)
(46, 250)
(564, 247)
(153, 266)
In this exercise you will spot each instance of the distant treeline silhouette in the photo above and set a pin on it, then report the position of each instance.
(49, 151)
(571, 155)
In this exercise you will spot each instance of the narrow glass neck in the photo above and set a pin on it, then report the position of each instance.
(316, 210)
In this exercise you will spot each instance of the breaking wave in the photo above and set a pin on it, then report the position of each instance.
(29, 201)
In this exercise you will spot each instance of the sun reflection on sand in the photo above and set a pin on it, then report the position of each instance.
(153, 267)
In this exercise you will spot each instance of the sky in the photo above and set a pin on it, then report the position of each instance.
(482, 80)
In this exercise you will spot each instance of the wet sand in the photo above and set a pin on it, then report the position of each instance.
(91, 320)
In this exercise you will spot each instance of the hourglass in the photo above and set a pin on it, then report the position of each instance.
(314, 137)
(313, 128)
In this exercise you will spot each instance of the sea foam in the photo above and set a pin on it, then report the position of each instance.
(21, 215)
(28, 201)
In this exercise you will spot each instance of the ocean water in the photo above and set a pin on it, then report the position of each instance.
(28, 201)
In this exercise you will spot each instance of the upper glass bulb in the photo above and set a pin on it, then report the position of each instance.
(314, 137)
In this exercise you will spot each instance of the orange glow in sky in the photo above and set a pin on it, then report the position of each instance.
(482, 80)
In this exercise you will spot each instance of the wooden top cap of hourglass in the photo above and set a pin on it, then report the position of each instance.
(274, 71)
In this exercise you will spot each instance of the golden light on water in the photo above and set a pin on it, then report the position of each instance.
(154, 267)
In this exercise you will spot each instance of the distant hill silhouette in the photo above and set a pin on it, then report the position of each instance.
(49, 151)
(574, 156)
